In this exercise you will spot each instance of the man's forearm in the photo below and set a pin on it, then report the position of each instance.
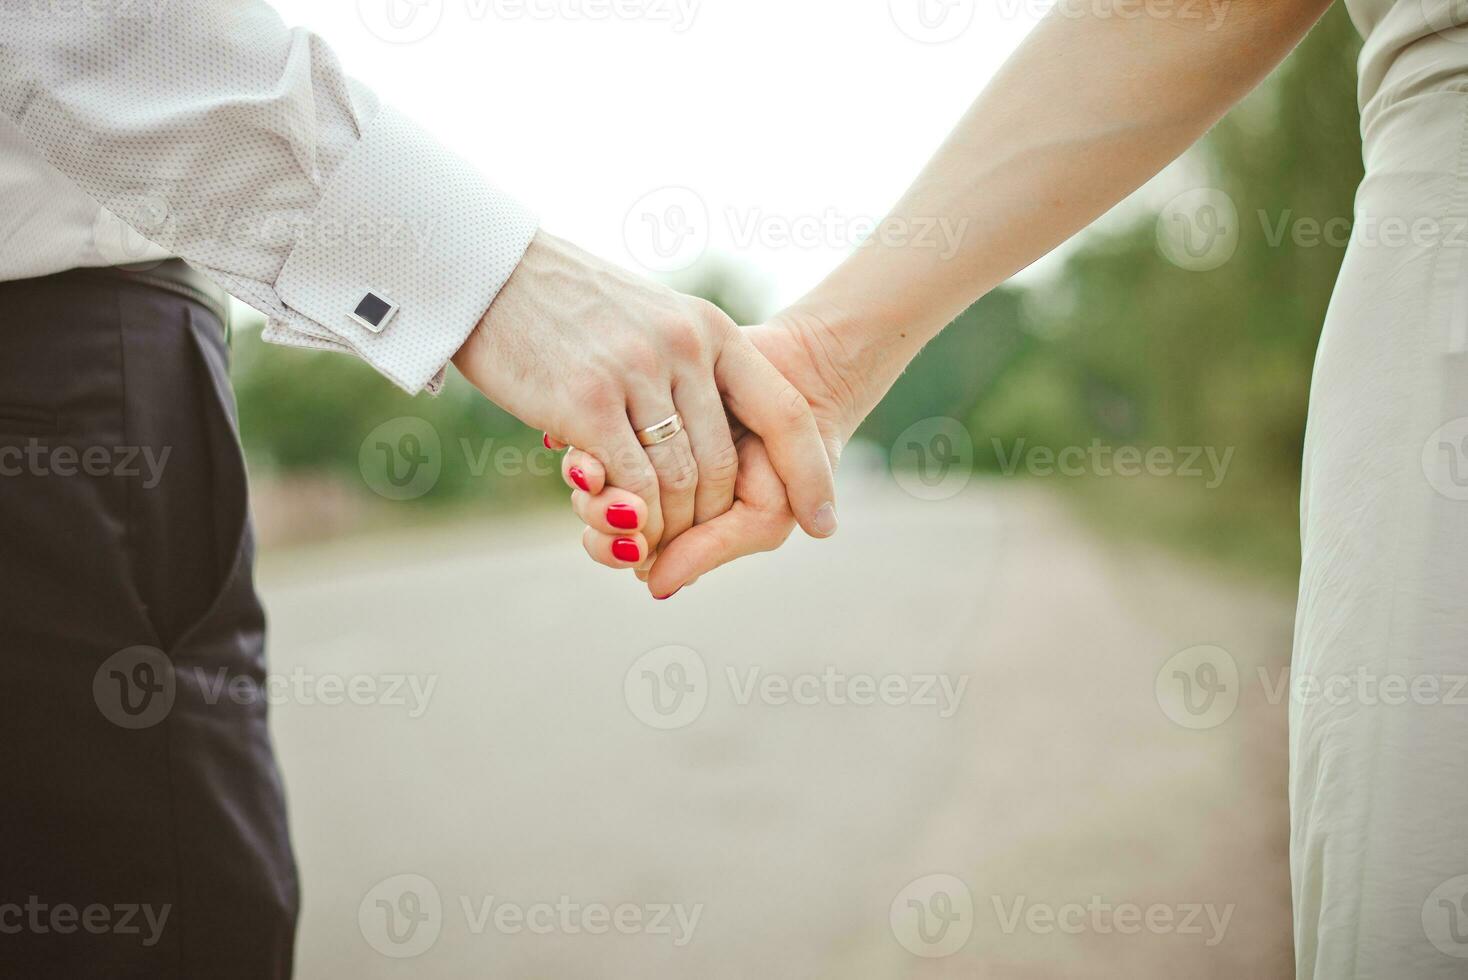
(1086, 111)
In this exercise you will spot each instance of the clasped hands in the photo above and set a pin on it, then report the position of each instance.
(591, 355)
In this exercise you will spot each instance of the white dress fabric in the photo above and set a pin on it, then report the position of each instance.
(1379, 693)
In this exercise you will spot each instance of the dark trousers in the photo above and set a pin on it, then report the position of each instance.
(142, 818)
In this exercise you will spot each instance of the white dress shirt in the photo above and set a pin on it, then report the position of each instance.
(239, 144)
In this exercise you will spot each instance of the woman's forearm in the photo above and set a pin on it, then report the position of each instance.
(1089, 108)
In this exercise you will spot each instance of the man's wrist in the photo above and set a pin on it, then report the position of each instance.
(475, 356)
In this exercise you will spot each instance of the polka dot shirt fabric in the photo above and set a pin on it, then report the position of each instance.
(209, 130)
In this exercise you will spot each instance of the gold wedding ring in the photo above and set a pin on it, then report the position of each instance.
(662, 432)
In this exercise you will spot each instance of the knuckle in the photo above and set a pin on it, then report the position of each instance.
(791, 408)
(694, 330)
(682, 338)
(600, 393)
(641, 481)
(679, 477)
(634, 469)
(639, 359)
(715, 322)
(720, 467)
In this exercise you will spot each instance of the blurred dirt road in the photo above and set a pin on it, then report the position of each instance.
(950, 743)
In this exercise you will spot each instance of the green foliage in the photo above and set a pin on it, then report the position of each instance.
(1137, 351)
(309, 412)
(957, 371)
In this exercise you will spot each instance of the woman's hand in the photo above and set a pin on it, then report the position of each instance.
(585, 351)
(801, 347)
(1081, 115)
(759, 520)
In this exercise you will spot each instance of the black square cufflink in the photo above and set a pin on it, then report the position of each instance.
(374, 312)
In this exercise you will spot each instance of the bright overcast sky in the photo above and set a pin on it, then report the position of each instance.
(778, 115)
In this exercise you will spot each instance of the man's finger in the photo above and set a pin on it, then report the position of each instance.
(677, 473)
(707, 425)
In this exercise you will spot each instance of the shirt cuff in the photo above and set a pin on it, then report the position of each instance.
(406, 250)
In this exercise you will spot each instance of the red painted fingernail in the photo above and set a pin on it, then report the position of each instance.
(625, 549)
(622, 516)
(665, 598)
(545, 440)
(578, 477)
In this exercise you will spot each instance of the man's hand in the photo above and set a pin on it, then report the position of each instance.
(585, 351)
(760, 518)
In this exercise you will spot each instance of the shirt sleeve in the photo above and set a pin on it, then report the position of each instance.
(240, 145)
